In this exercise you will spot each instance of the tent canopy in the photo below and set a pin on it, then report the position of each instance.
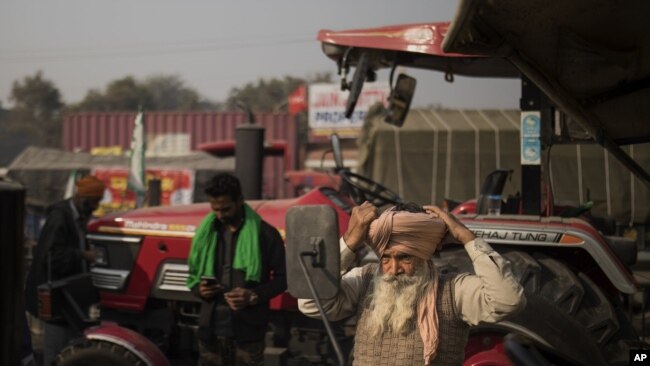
(442, 153)
(590, 57)
(44, 172)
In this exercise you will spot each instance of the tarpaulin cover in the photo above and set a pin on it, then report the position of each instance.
(44, 172)
(442, 153)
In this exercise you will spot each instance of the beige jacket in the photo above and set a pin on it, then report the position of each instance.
(487, 296)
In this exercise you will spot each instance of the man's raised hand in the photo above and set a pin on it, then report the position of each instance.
(360, 220)
(456, 228)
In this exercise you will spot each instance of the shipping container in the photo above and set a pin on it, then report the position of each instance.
(170, 133)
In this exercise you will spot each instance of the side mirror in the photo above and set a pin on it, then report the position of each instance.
(357, 84)
(400, 99)
(312, 253)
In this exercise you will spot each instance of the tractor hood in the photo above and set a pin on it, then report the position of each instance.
(590, 57)
(183, 220)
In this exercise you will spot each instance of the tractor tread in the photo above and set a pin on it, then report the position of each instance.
(87, 351)
(563, 288)
(579, 305)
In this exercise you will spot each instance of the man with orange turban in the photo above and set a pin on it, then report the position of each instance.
(62, 252)
(408, 312)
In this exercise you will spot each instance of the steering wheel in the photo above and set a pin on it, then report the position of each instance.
(365, 189)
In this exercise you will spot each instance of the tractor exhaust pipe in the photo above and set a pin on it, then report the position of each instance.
(249, 156)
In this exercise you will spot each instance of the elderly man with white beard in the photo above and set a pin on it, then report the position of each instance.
(408, 313)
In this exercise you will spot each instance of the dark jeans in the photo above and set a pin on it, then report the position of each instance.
(224, 351)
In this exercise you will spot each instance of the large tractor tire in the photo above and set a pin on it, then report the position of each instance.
(565, 310)
(97, 353)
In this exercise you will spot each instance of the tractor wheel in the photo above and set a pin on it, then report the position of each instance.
(566, 311)
(97, 353)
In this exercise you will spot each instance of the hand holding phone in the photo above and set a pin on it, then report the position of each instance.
(209, 280)
(209, 287)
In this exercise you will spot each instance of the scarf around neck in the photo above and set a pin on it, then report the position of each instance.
(247, 250)
(417, 234)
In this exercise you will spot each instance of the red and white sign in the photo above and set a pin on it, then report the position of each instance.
(298, 100)
(176, 186)
(327, 108)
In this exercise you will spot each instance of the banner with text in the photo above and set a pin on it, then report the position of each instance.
(327, 108)
(176, 187)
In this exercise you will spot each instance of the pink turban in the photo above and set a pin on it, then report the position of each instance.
(417, 234)
(90, 186)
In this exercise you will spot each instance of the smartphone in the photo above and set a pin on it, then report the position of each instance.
(210, 280)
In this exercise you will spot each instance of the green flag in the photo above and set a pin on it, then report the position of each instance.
(136, 161)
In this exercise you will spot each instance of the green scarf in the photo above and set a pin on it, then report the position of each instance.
(247, 251)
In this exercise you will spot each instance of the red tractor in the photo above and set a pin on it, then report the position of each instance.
(574, 283)
(566, 61)
(577, 281)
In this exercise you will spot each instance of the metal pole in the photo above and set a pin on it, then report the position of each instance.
(154, 192)
(328, 327)
(531, 100)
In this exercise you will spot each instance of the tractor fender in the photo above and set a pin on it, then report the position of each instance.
(136, 343)
(554, 232)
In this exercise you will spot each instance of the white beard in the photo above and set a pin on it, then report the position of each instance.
(394, 300)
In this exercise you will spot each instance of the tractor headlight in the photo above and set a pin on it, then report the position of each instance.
(101, 257)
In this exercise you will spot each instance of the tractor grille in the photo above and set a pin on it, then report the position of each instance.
(109, 279)
(173, 277)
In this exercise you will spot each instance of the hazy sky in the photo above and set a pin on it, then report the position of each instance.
(213, 45)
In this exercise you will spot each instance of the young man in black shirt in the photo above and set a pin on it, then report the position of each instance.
(237, 265)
